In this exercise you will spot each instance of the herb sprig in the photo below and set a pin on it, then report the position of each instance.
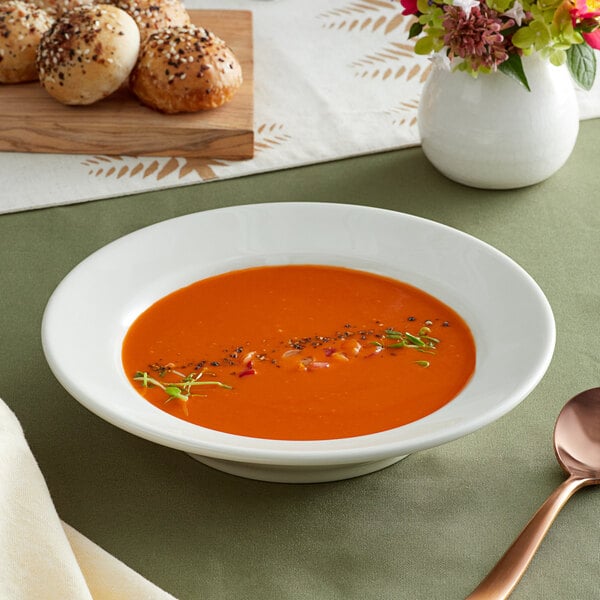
(181, 390)
(422, 342)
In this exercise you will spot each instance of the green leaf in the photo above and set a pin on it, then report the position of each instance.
(174, 391)
(558, 57)
(415, 29)
(423, 6)
(581, 61)
(424, 45)
(513, 67)
(523, 38)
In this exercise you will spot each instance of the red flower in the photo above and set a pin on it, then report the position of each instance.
(586, 15)
(410, 7)
(592, 39)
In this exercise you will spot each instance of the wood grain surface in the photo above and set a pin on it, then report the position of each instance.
(32, 121)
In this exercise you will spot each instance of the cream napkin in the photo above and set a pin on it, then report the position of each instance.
(42, 558)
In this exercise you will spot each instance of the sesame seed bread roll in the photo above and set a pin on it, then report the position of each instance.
(21, 28)
(152, 15)
(88, 54)
(56, 8)
(185, 69)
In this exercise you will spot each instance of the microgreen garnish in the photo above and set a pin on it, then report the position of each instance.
(175, 392)
(390, 339)
(416, 341)
(177, 389)
(422, 342)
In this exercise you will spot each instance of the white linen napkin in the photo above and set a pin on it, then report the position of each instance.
(42, 558)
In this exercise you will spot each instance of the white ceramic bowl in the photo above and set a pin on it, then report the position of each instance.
(90, 311)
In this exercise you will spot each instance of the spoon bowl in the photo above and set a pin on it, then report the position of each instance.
(577, 435)
(577, 448)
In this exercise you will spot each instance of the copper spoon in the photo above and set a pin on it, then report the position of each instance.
(577, 448)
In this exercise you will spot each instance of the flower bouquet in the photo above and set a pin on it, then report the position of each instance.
(484, 36)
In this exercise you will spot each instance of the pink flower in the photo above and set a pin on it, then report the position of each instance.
(592, 39)
(410, 7)
(586, 17)
(478, 38)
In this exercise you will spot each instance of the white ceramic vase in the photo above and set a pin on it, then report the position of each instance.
(490, 132)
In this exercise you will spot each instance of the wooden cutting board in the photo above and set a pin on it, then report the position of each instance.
(32, 121)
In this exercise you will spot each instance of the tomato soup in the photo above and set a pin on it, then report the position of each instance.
(299, 352)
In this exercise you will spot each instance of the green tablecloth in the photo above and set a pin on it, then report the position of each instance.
(428, 527)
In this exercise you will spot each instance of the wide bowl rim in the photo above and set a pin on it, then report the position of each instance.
(172, 432)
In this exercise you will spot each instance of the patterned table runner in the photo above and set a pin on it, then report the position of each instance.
(333, 79)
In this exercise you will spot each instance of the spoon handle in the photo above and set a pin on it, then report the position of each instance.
(503, 578)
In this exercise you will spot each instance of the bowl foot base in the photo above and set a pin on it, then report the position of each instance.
(296, 474)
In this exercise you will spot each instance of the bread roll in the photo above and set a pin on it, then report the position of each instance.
(56, 8)
(21, 28)
(152, 15)
(88, 54)
(185, 69)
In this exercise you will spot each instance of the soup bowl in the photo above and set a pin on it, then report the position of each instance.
(91, 310)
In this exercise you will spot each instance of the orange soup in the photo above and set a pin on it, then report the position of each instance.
(299, 352)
